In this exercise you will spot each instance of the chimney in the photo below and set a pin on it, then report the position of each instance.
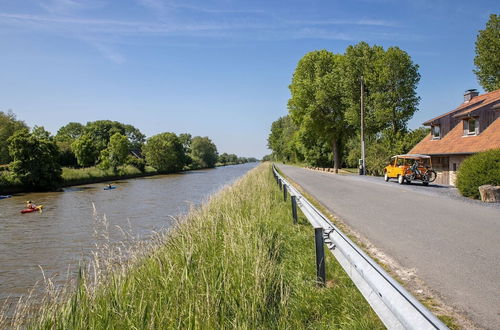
(469, 94)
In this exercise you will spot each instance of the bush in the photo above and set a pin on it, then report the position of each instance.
(138, 163)
(477, 170)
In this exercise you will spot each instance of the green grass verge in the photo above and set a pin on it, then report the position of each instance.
(73, 176)
(236, 262)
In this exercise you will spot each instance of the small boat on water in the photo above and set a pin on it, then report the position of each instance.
(109, 187)
(37, 208)
(5, 196)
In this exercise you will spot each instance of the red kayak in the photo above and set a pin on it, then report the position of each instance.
(38, 208)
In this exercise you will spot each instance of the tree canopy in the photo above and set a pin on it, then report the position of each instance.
(324, 118)
(165, 152)
(487, 58)
(203, 152)
(8, 126)
(35, 159)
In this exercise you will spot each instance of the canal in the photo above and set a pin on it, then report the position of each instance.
(68, 230)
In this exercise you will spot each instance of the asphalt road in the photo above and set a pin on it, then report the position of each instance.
(452, 243)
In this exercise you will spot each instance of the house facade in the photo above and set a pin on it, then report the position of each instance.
(472, 127)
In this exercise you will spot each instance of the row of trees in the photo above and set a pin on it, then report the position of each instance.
(35, 157)
(323, 124)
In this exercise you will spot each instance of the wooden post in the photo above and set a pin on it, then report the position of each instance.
(284, 192)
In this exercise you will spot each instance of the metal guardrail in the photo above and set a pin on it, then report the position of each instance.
(395, 306)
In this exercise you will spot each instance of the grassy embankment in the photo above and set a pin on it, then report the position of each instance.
(76, 176)
(236, 262)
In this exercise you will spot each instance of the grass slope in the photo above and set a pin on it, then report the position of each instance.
(236, 262)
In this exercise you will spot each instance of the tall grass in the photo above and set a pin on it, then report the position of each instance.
(235, 262)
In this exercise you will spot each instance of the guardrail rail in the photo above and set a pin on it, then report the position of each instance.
(394, 305)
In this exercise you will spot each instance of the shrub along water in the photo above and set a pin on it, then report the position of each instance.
(235, 262)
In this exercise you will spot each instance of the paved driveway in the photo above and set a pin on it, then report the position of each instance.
(453, 243)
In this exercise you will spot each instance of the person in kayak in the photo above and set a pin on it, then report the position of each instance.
(109, 186)
(30, 205)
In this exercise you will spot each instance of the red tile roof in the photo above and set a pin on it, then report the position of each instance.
(488, 100)
(455, 143)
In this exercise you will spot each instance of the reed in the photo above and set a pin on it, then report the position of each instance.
(235, 262)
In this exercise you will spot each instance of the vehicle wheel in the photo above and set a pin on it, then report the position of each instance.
(425, 183)
(401, 179)
(431, 175)
(386, 177)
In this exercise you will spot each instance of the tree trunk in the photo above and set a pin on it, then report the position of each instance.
(336, 155)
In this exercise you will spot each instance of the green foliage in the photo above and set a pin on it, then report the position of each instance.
(65, 136)
(282, 140)
(487, 58)
(85, 150)
(203, 152)
(390, 80)
(136, 162)
(116, 153)
(317, 103)
(379, 149)
(165, 153)
(8, 126)
(325, 106)
(70, 132)
(477, 170)
(98, 134)
(35, 159)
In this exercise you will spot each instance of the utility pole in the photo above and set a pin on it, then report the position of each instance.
(363, 167)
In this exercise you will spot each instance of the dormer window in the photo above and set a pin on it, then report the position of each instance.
(471, 126)
(436, 132)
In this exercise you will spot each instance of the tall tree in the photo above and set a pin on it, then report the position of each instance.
(487, 58)
(203, 152)
(165, 152)
(35, 160)
(116, 153)
(316, 103)
(282, 140)
(70, 132)
(8, 126)
(85, 151)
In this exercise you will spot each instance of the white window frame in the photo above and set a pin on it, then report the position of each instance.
(467, 131)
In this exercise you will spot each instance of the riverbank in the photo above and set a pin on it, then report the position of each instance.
(81, 176)
(237, 261)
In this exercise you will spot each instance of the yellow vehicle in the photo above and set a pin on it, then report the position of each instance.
(406, 168)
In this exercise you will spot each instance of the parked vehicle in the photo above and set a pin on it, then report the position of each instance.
(409, 167)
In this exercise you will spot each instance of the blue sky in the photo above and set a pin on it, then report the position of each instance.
(217, 68)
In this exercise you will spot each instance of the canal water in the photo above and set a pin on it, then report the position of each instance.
(57, 239)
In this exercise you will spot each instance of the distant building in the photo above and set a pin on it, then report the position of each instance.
(472, 127)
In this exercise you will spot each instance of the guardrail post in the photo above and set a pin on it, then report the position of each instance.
(294, 209)
(280, 183)
(284, 192)
(320, 256)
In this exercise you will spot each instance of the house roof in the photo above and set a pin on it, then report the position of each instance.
(455, 143)
(489, 100)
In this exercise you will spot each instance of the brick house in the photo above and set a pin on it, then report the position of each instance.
(472, 127)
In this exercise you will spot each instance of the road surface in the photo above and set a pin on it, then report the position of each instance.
(452, 243)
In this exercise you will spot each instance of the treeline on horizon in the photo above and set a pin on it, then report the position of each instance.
(34, 158)
(323, 124)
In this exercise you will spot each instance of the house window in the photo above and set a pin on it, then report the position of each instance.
(471, 126)
(436, 132)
